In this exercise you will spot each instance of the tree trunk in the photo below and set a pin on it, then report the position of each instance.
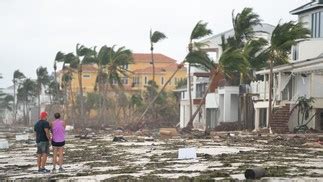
(39, 101)
(100, 94)
(190, 122)
(152, 61)
(81, 95)
(190, 91)
(270, 93)
(153, 101)
(14, 103)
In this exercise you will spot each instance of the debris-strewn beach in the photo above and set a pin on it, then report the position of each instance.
(220, 156)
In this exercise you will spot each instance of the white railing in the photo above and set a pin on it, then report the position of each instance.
(261, 88)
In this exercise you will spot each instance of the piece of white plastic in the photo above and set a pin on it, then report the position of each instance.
(4, 144)
(187, 153)
(22, 137)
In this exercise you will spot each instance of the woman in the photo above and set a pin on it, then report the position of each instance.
(58, 141)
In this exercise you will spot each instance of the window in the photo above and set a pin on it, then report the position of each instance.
(114, 82)
(135, 80)
(317, 25)
(124, 81)
(200, 89)
(146, 80)
(162, 80)
(86, 76)
(125, 66)
(295, 52)
(175, 80)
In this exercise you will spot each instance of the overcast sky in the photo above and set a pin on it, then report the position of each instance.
(33, 31)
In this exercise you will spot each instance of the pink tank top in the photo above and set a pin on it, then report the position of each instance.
(58, 131)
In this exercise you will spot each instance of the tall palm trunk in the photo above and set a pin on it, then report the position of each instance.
(100, 72)
(156, 97)
(153, 61)
(81, 95)
(14, 103)
(38, 96)
(190, 91)
(190, 49)
(270, 93)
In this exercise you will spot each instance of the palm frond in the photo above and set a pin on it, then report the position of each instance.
(284, 37)
(157, 36)
(200, 59)
(18, 75)
(200, 30)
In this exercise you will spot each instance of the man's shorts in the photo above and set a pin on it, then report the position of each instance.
(43, 148)
(58, 144)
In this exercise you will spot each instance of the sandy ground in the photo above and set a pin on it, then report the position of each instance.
(219, 157)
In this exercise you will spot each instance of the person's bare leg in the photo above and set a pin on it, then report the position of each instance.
(43, 161)
(61, 156)
(54, 157)
(39, 161)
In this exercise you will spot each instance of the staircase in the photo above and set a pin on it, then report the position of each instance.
(280, 120)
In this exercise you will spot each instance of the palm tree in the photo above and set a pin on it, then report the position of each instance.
(243, 42)
(26, 94)
(17, 79)
(243, 26)
(71, 60)
(200, 59)
(282, 39)
(81, 51)
(42, 80)
(111, 69)
(155, 37)
(199, 31)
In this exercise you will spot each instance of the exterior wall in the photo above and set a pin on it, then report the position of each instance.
(228, 102)
(88, 82)
(308, 49)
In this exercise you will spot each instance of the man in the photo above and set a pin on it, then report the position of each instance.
(42, 139)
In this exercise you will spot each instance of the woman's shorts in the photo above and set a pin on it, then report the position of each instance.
(58, 144)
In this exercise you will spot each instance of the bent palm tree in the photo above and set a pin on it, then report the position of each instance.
(199, 31)
(199, 58)
(81, 51)
(283, 38)
(111, 69)
(154, 38)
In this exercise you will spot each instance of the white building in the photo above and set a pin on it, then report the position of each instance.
(303, 76)
(221, 104)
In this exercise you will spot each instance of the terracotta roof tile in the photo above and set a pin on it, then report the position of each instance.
(145, 57)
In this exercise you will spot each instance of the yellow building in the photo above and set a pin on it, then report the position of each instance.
(140, 72)
(143, 72)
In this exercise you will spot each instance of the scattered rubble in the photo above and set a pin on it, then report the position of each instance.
(150, 157)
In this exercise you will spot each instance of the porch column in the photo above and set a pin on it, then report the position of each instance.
(265, 87)
(256, 118)
(279, 85)
(227, 107)
(267, 117)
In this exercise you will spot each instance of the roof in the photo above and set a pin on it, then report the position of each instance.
(158, 70)
(314, 4)
(158, 58)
